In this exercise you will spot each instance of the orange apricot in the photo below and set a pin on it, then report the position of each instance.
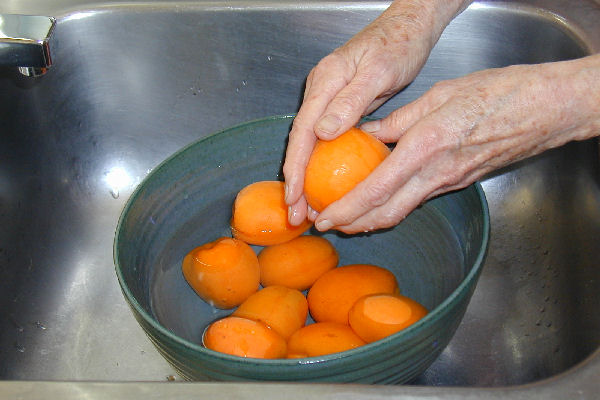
(260, 215)
(322, 338)
(336, 166)
(282, 309)
(336, 291)
(376, 316)
(298, 263)
(223, 272)
(244, 338)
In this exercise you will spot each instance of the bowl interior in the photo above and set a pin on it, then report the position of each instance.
(187, 201)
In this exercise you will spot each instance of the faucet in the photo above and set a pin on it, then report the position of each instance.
(24, 43)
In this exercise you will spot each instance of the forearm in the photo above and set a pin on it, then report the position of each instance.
(576, 97)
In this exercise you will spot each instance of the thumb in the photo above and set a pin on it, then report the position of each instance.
(392, 127)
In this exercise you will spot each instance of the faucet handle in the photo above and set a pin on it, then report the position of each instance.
(24, 42)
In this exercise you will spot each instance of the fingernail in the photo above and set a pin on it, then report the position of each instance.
(323, 225)
(312, 214)
(371, 126)
(286, 193)
(290, 214)
(329, 124)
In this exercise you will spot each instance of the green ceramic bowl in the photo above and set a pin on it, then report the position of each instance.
(436, 254)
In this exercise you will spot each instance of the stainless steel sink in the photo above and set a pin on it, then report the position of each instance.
(132, 83)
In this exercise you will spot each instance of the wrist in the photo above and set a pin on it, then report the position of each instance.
(427, 16)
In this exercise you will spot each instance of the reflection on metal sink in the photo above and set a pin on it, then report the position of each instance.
(133, 83)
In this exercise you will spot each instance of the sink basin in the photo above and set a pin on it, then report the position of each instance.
(132, 83)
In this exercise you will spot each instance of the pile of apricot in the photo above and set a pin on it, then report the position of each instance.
(351, 305)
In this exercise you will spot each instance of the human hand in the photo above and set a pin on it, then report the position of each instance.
(357, 78)
(464, 128)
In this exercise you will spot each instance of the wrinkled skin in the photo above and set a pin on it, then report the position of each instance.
(454, 134)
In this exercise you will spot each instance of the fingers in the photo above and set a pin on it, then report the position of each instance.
(393, 211)
(301, 141)
(297, 212)
(376, 191)
(392, 127)
(320, 89)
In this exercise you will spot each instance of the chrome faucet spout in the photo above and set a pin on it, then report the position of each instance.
(24, 43)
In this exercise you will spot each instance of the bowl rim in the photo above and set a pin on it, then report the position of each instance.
(408, 332)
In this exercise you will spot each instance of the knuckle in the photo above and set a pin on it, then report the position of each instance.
(347, 103)
(375, 195)
(331, 62)
(440, 86)
(453, 177)
(298, 125)
(392, 217)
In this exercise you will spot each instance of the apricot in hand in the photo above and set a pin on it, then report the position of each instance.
(223, 273)
(336, 166)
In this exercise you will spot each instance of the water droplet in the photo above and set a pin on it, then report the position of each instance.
(237, 89)
(114, 193)
(548, 324)
(244, 82)
(20, 348)
(40, 325)
(269, 58)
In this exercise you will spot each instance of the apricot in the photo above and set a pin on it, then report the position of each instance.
(244, 338)
(336, 166)
(260, 215)
(374, 317)
(298, 263)
(336, 291)
(223, 272)
(322, 338)
(282, 309)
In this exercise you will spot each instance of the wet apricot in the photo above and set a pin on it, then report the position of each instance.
(244, 338)
(374, 317)
(336, 291)
(223, 272)
(297, 263)
(336, 166)
(282, 309)
(260, 215)
(322, 338)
